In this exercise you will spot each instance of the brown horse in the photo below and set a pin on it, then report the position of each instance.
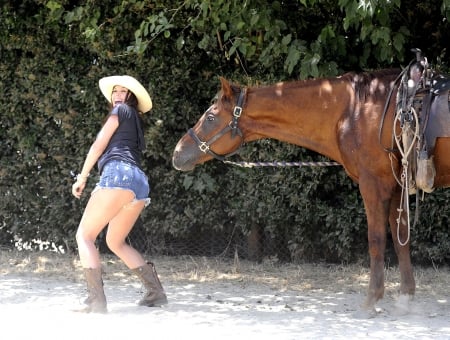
(343, 118)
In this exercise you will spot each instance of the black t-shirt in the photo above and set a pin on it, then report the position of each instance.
(127, 142)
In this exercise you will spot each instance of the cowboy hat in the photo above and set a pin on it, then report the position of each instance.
(107, 84)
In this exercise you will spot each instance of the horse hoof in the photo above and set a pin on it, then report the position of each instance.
(365, 313)
(402, 305)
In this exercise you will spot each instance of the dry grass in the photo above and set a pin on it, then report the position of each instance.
(307, 276)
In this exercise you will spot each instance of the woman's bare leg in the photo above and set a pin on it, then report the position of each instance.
(102, 206)
(119, 228)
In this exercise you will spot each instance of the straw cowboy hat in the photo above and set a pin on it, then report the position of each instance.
(107, 84)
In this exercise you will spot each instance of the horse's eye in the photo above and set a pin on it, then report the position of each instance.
(210, 118)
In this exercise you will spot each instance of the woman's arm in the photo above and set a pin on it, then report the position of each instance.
(96, 150)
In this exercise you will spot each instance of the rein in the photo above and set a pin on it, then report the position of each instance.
(280, 164)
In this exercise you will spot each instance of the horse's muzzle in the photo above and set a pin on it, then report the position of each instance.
(182, 158)
(180, 164)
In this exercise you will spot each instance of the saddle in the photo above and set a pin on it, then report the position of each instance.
(423, 107)
(439, 110)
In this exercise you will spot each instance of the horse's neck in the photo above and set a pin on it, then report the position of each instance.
(302, 113)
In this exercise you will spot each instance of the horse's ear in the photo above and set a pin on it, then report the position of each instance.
(227, 91)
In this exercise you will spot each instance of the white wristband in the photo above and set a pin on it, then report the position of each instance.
(81, 178)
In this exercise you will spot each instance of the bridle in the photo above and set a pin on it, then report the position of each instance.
(232, 126)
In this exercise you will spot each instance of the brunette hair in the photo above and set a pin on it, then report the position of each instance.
(132, 100)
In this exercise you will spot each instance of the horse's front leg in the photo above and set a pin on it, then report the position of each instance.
(401, 238)
(376, 199)
(377, 222)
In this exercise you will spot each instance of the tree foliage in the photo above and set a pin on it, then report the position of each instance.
(54, 51)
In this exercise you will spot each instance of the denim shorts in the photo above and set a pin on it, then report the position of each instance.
(122, 175)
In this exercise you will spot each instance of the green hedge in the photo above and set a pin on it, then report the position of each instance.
(52, 54)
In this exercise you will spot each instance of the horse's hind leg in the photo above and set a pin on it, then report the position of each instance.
(401, 239)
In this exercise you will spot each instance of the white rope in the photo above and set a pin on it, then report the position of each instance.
(401, 141)
(405, 194)
(280, 164)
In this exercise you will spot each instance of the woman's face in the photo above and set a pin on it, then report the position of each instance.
(119, 95)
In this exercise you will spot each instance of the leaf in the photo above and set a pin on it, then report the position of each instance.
(286, 39)
(240, 25)
(254, 20)
(398, 41)
(187, 182)
(180, 42)
(292, 59)
(53, 5)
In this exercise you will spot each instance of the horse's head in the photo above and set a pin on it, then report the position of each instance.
(216, 134)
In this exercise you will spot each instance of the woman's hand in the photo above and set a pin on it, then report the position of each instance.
(78, 187)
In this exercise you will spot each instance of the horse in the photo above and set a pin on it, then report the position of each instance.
(349, 119)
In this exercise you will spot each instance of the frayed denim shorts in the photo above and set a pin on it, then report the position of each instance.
(122, 175)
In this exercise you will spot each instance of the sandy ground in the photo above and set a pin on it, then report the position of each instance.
(215, 299)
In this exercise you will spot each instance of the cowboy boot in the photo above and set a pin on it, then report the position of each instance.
(155, 295)
(96, 300)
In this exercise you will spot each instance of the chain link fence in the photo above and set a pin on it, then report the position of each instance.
(226, 243)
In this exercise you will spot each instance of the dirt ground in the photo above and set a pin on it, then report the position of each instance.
(215, 299)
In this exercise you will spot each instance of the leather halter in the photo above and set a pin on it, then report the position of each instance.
(232, 126)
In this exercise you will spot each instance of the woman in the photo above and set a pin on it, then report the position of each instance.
(121, 193)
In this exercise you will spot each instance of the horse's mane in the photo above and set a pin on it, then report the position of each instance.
(361, 80)
(365, 78)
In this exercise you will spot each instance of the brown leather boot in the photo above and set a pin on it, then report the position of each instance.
(96, 300)
(155, 295)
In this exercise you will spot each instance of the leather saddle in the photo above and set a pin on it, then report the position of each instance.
(438, 102)
(440, 84)
(425, 92)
